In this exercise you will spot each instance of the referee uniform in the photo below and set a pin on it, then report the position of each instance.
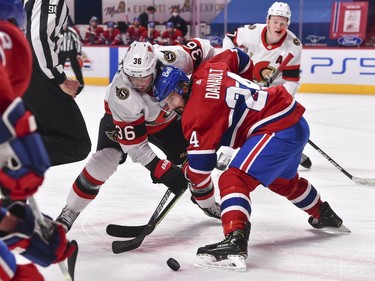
(59, 118)
(71, 48)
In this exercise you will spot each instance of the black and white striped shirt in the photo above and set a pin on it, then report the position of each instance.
(45, 21)
(71, 41)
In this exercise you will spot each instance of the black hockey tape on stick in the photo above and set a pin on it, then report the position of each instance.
(279, 70)
(157, 217)
(362, 181)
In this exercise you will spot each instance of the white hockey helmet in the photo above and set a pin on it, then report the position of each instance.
(140, 60)
(280, 9)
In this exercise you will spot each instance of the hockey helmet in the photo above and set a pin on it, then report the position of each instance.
(169, 25)
(94, 19)
(13, 11)
(139, 65)
(110, 24)
(280, 9)
(169, 80)
(151, 24)
(140, 60)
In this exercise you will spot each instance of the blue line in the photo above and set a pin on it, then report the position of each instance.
(113, 62)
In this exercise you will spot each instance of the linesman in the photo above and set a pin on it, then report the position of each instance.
(71, 48)
(50, 96)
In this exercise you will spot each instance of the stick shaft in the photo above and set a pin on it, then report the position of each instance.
(362, 181)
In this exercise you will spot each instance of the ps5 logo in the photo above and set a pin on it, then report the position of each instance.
(344, 65)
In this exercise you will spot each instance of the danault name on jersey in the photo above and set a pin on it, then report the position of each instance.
(213, 84)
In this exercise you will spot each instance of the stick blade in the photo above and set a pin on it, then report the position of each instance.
(119, 247)
(72, 260)
(124, 231)
(364, 181)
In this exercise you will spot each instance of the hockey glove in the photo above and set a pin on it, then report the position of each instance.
(29, 240)
(24, 172)
(8, 264)
(27, 272)
(16, 121)
(170, 175)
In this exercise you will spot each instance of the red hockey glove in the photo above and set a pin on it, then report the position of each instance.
(170, 175)
(16, 121)
(25, 149)
(28, 237)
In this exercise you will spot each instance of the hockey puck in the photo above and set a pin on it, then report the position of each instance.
(173, 264)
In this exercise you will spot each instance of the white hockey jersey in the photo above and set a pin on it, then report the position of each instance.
(267, 57)
(136, 115)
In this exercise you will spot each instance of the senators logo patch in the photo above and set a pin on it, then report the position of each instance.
(112, 135)
(122, 93)
(296, 41)
(253, 26)
(169, 56)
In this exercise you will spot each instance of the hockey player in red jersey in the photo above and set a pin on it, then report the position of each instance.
(23, 158)
(18, 139)
(266, 125)
(133, 119)
(267, 45)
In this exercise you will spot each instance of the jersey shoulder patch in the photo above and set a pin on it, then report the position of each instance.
(169, 56)
(122, 93)
(296, 41)
(252, 26)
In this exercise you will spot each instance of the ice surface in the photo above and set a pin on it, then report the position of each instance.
(282, 244)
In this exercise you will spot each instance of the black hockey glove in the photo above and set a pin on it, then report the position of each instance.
(163, 171)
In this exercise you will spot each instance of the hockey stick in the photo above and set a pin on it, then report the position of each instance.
(46, 234)
(156, 218)
(277, 72)
(362, 181)
(124, 231)
(72, 260)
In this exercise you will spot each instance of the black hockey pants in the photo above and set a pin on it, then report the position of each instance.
(59, 119)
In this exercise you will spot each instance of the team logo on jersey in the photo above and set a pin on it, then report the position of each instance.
(169, 56)
(252, 26)
(122, 93)
(263, 71)
(296, 41)
(112, 135)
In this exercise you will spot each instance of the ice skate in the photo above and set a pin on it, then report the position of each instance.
(229, 254)
(213, 212)
(67, 218)
(328, 220)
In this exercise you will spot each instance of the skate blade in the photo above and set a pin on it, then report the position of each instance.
(334, 230)
(233, 263)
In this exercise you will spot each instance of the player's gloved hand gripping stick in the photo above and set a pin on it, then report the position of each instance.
(278, 70)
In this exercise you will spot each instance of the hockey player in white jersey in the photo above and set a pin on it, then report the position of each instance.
(268, 45)
(134, 118)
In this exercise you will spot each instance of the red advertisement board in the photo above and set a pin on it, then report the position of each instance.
(349, 19)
